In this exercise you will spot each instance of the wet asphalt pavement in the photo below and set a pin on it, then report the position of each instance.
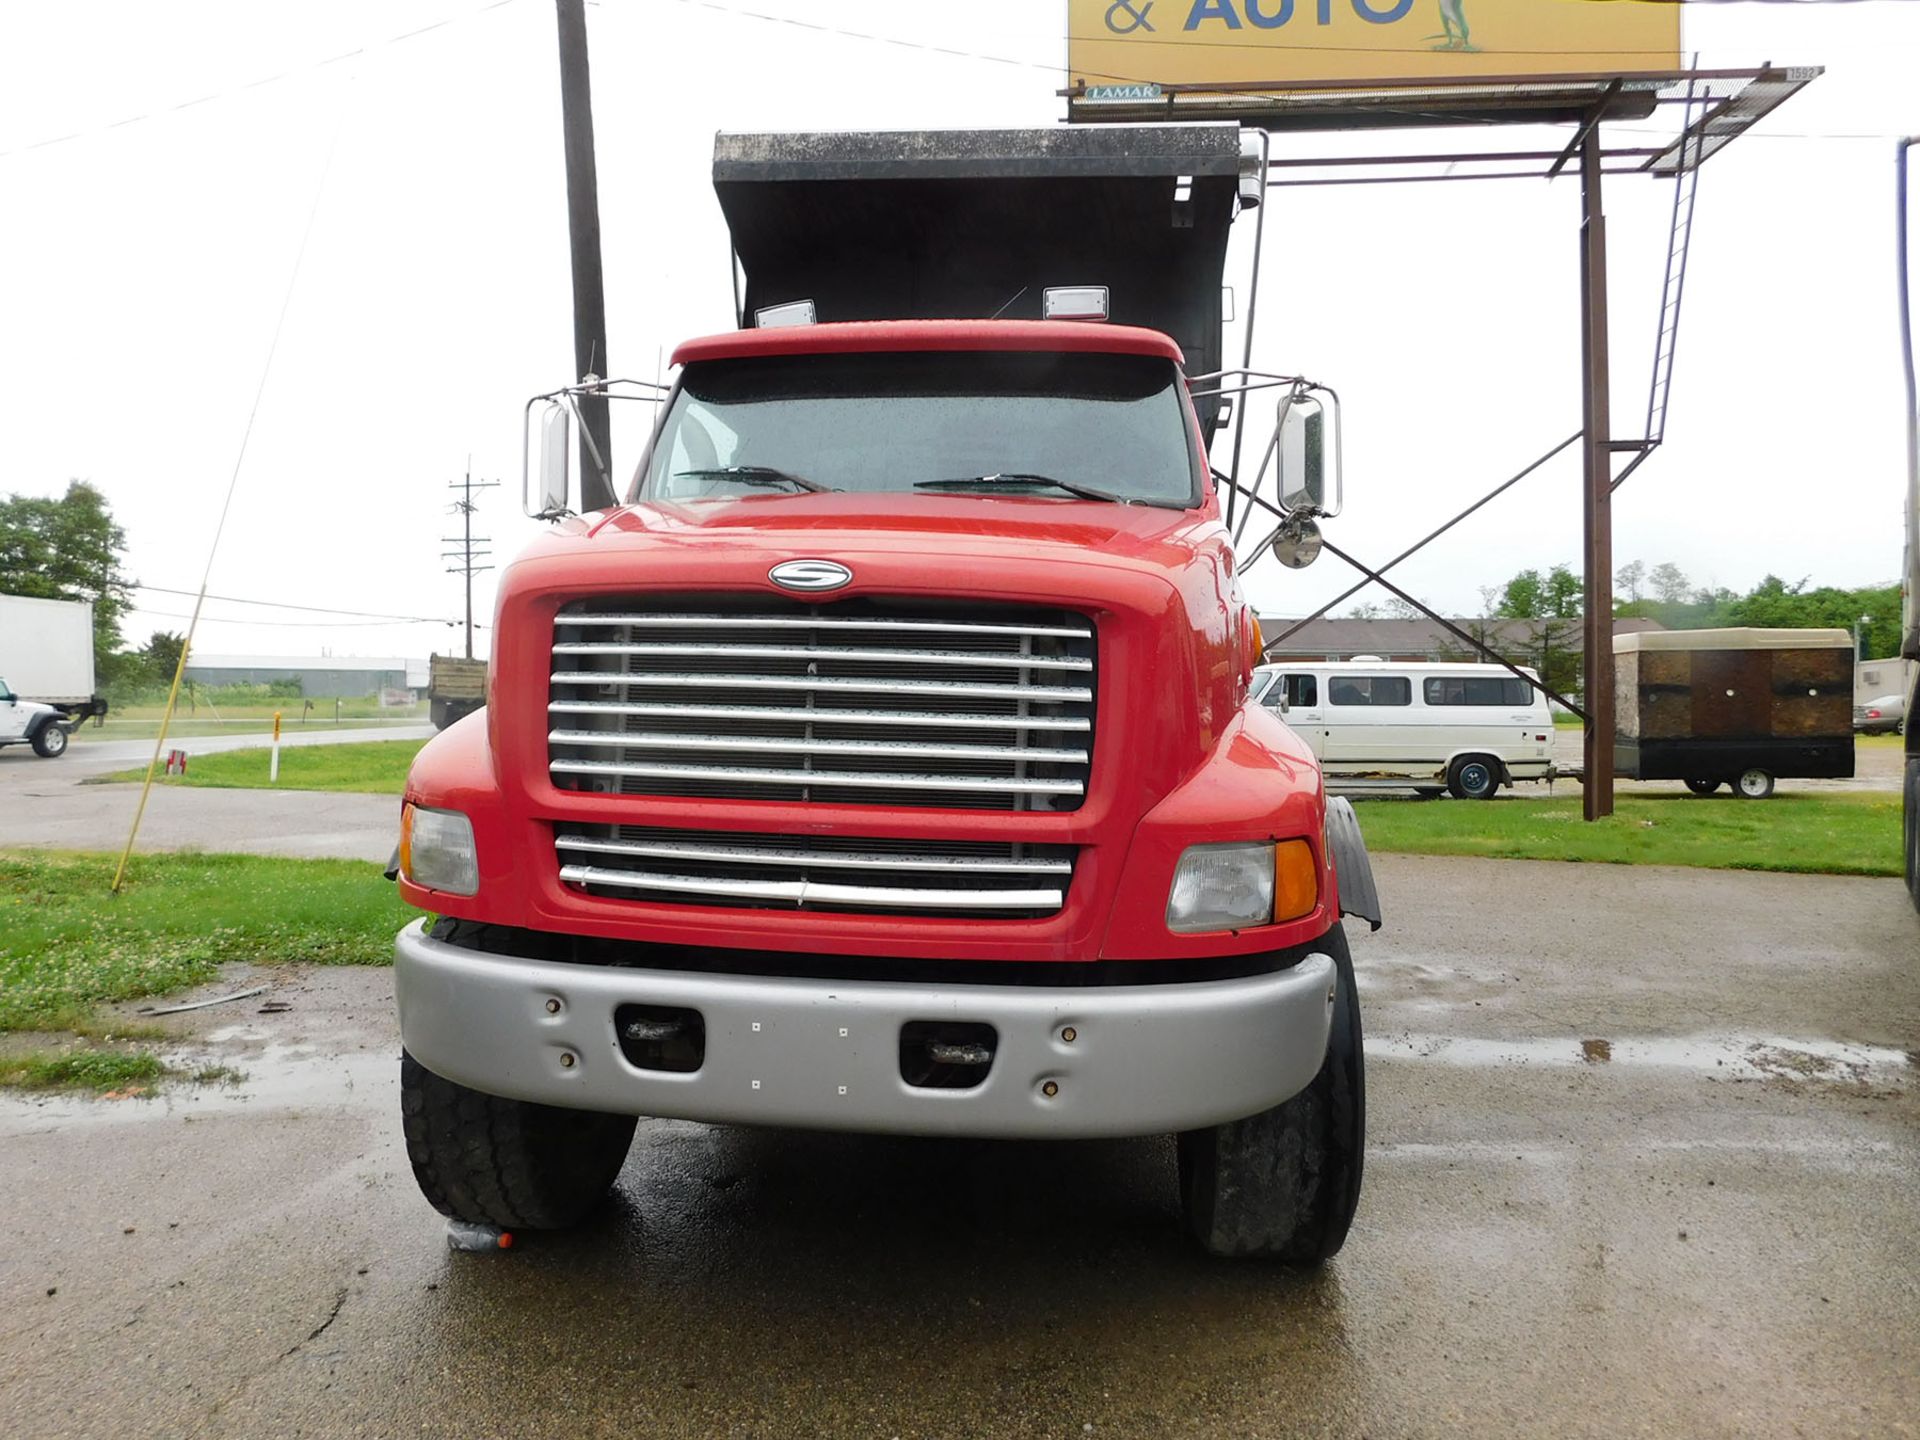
(47, 802)
(1642, 1161)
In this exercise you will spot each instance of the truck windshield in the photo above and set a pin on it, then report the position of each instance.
(1056, 425)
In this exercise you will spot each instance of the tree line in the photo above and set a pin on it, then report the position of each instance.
(1549, 609)
(69, 547)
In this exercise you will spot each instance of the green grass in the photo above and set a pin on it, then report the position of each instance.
(1852, 834)
(377, 767)
(98, 1070)
(67, 945)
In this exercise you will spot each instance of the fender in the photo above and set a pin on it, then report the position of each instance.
(1353, 871)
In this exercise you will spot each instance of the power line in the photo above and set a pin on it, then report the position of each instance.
(256, 84)
(897, 41)
(315, 609)
(283, 624)
(233, 484)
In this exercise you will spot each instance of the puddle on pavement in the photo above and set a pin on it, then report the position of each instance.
(276, 1076)
(1736, 1057)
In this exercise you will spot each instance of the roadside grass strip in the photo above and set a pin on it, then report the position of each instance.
(67, 945)
(377, 767)
(1831, 834)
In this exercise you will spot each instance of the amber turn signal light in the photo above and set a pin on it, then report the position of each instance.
(1296, 880)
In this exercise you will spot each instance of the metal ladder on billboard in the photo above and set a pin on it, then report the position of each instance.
(1686, 186)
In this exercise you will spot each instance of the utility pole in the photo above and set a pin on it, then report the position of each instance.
(466, 556)
(583, 235)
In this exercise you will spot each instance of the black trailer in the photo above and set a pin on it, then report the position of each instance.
(1738, 707)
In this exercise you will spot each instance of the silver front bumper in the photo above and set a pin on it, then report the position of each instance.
(825, 1054)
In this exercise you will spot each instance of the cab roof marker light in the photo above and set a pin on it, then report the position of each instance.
(777, 317)
(1074, 302)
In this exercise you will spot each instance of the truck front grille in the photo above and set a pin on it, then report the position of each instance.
(825, 873)
(860, 702)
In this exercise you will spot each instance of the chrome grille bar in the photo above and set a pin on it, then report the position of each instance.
(823, 779)
(950, 659)
(755, 744)
(762, 856)
(951, 719)
(927, 689)
(812, 892)
(840, 624)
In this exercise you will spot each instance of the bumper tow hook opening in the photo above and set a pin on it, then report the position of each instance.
(661, 1037)
(946, 1054)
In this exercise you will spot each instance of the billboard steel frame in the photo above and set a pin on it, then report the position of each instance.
(1720, 105)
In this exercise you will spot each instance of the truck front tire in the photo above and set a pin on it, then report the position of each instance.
(507, 1163)
(1283, 1184)
(50, 741)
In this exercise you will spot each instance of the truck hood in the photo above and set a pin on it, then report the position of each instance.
(1036, 529)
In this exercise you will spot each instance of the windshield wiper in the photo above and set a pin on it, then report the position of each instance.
(1021, 480)
(753, 475)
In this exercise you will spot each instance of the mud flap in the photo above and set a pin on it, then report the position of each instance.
(1352, 869)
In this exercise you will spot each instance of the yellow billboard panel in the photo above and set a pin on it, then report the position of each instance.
(1133, 43)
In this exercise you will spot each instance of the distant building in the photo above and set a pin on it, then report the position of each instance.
(1873, 679)
(319, 677)
(1419, 639)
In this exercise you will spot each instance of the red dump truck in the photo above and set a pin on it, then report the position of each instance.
(883, 761)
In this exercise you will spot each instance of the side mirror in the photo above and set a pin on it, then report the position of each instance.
(556, 444)
(1308, 441)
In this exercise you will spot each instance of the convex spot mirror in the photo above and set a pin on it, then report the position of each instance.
(1308, 444)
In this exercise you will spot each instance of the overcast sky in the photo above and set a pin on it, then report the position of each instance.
(144, 260)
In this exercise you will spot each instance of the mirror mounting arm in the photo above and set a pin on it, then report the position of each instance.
(563, 407)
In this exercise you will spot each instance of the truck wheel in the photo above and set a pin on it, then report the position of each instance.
(1703, 787)
(1283, 1184)
(51, 741)
(441, 714)
(1474, 777)
(508, 1163)
(1753, 785)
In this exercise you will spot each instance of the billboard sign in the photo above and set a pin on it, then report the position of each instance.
(1127, 44)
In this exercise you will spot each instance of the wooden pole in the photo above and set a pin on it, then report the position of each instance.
(583, 233)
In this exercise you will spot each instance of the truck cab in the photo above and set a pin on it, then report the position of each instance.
(884, 761)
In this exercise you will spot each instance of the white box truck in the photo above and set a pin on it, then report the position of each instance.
(46, 671)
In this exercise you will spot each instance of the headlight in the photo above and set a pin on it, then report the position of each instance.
(436, 850)
(1229, 887)
(1221, 887)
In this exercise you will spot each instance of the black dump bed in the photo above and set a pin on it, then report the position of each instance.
(970, 224)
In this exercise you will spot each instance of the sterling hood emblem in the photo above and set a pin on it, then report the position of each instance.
(810, 575)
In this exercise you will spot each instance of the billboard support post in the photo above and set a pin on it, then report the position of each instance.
(1597, 780)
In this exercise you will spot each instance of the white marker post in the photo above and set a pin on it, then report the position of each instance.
(273, 765)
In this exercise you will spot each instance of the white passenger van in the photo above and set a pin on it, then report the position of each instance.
(1424, 726)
